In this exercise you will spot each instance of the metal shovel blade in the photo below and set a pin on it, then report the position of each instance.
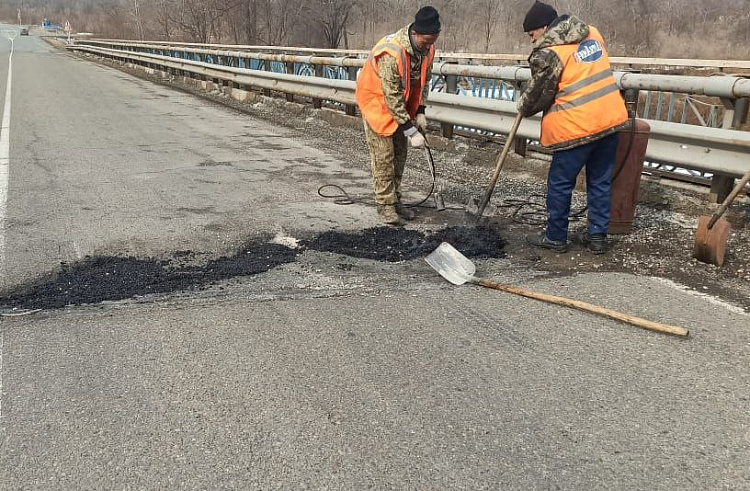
(451, 264)
(439, 202)
(472, 206)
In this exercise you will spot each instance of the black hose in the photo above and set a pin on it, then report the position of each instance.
(344, 198)
(528, 211)
(531, 212)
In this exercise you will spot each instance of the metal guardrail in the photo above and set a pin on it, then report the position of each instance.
(712, 150)
(721, 86)
(719, 65)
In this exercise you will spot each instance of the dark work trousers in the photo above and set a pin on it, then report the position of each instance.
(598, 157)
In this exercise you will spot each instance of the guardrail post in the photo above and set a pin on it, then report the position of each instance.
(520, 144)
(351, 74)
(246, 62)
(317, 103)
(632, 97)
(290, 71)
(451, 87)
(734, 115)
(741, 109)
(267, 68)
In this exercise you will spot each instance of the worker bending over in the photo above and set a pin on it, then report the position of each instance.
(392, 90)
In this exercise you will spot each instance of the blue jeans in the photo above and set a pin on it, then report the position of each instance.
(598, 157)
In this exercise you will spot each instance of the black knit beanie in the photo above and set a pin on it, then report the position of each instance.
(539, 15)
(427, 21)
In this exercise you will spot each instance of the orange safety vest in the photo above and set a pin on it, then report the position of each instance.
(370, 98)
(588, 101)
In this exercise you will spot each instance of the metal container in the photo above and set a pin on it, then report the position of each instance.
(626, 176)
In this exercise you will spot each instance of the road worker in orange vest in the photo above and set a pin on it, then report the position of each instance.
(392, 91)
(573, 85)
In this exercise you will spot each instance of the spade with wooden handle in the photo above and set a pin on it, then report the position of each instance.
(712, 234)
(476, 207)
(458, 269)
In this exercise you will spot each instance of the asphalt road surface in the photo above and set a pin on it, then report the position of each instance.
(326, 371)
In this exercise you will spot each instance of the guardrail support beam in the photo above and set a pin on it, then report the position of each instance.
(451, 87)
(721, 187)
(289, 70)
(351, 74)
(267, 68)
(735, 114)
(317, 103)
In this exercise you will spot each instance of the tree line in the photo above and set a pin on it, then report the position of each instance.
(651, 28)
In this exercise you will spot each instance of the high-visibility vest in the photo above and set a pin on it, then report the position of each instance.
(588, 101)
(370, 98)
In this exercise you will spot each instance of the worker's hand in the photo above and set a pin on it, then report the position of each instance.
(519, 105)
(416, 139)
(422, 122)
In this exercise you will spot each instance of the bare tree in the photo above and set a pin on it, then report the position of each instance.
(330, 17)
(490, 13)
(201, 19)
(162, 19)
(135, 12)
(643, 27)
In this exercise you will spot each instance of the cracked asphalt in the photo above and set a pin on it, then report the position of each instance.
(329, 362)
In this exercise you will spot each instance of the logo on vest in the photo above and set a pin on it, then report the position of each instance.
(589, 52)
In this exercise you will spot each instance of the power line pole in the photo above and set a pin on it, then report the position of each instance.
(19, 17)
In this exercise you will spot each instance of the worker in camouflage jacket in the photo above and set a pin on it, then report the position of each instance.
(573, 85)
(392, 91)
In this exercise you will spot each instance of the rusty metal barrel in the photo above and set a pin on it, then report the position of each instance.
(626, 176)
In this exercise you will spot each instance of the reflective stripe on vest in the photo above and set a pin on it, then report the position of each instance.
(584, 99)
(588, 100)
(369, 94)
(394, 50)
(584, 83)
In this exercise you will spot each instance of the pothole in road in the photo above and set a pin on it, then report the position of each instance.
(112, 278)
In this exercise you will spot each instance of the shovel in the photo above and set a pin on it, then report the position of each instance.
(474, 206)
(458, 269)
(711, 236)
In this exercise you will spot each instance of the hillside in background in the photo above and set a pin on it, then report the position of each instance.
(651, 28)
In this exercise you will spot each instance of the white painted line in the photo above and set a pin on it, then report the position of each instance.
(5, 157)
(1, 373)
(4, 166)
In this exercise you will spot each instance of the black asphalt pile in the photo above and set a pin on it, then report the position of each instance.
(108, 278)
(101, 279)
(393, 244)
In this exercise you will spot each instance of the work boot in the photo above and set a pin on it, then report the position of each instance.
(404, 211)
(389, 214)
(596, 243)
(541, 240)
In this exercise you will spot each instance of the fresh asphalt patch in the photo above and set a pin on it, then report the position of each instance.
(396, 244)
(111, 278)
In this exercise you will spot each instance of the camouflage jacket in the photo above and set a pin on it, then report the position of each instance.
(546, 66)
(393, 88)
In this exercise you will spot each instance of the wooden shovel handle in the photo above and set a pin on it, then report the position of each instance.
(587, 307)
(500, 162)
(727, 202)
